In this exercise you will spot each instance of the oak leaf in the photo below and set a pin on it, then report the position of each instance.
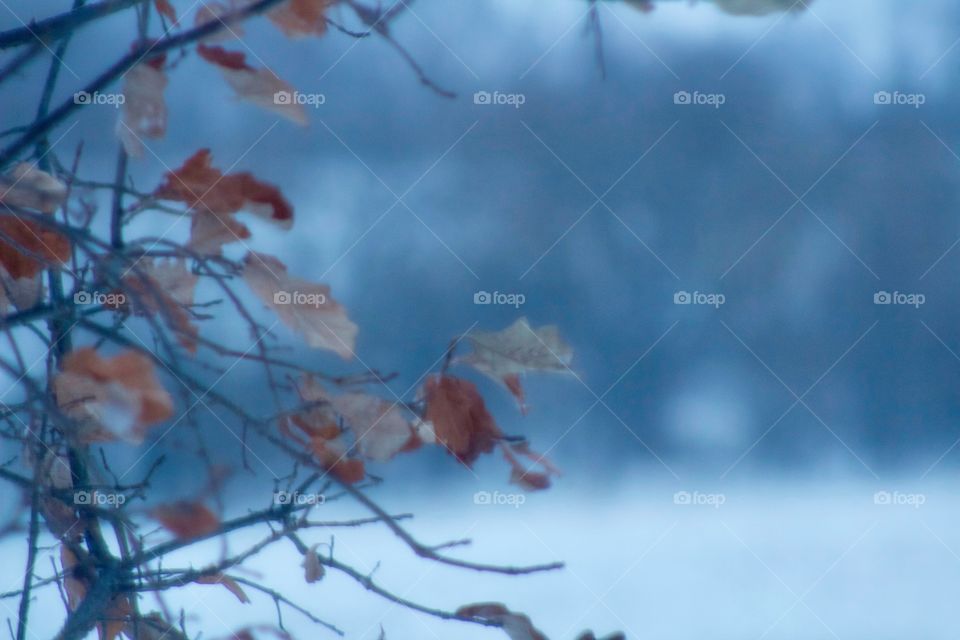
(116, 398)
(258, 86)
(306, 307)
(186, 519)
(298, 18)
(205, 189)
(459, 417)
(505, 355)
(164, 288)
(144, 111)
(380, 428)
(312, 569)
(26, 246)
(231, 585)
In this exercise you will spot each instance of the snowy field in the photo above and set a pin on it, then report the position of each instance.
(776, 561)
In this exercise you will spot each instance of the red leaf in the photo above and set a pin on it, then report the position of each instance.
(205, 189)
(460, 418)
(185, 519)
(298, 18)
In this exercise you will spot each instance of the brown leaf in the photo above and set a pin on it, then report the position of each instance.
(312, 569)
(228, 582)
(460, 418)
(144, 111)
(166, 9)
(186, 519)
(380, 429)
(505, 355)
(164, 288)
(209, 232)
(257, 86)
(30, 188)
(204, 188)
(515, 625)
(76, 579)
(298, 18)
(113, 398)
(306, 307)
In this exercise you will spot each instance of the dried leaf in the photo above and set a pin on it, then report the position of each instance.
(30, 188)
(380, 429)
(515, 625)
(76, 580)
(209, 232)
(305, 307)
(166, 9)
(257, 86)
(144, 111)
(459, 417)
(298, 18)
(27, 247)
(112, 398)
(21, 293)
(186, 519)
(204, 188)
(228, 582)
(505, 355)
(165, 288)
(312, 569)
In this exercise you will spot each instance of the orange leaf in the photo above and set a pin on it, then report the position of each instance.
(166, 9)
(228, 582)
(204, 188)
(186, 519)
(298, 18)
(113, 398)
(209, 232)
(257, 86)
(460, 418)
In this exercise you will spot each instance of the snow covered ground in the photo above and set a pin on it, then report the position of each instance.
(775, 560)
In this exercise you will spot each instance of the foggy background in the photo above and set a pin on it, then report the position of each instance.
(798, 200)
